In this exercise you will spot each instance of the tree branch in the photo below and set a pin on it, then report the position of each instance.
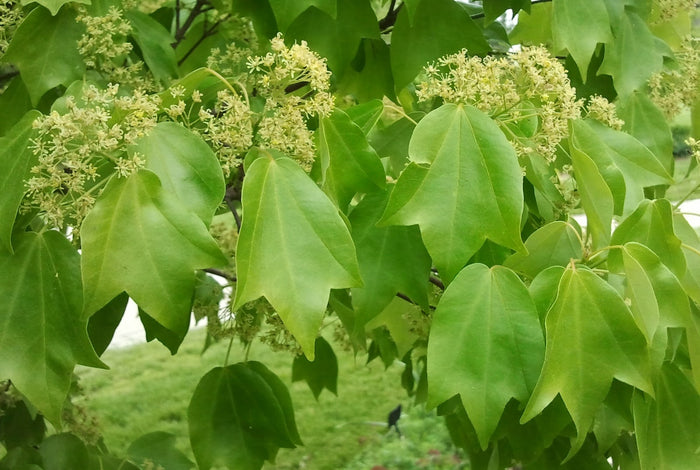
(194, 13)
(8, 72)
(437, 282)
(208, 32)
(390, 18)
(220, 273)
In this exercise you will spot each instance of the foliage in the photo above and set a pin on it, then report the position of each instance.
(403, 170)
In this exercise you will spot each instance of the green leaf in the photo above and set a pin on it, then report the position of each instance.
(366, 114)
(496, 345)
(543, 289)
(398, 318)
(54, 59)
(596, 197)
(495, 8)
(20, 427)
(186, 167)
(535, 27)
(159, 449)
(286, 11)
(350, 165)
(438, 28)
(632, 39)
(43, 334)
(392, 259)
(14, 104)
(591, 339)
(651, 224)
(639, 166)
(667, 428)
(155, 44)
(555, 244)
(16, 161)
(138, 239)
(647, 123)
(54, 5)
(369, 76)
(579, 27)
(471, 191)
(64, 451)
(104, 323)
(239, 416)
(293, 247)
(319, 374)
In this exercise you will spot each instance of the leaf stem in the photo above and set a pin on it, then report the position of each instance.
(685, 198)
(228, 352)
(401, 112)
(690, 248)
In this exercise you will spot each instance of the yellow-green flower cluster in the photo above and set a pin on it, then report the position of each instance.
(93, 131)
(667, 10)
(527, 92)
(671, 90)
(604, 111)
(10, 17)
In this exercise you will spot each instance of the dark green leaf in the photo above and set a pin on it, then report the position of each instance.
(104, 322)
(348, 163)
(667, 428)
(14, 103)
(43, 334)
(286, 11)
(369, 76)
(159, 449)
(651, 224)
(495, 8)
(154, 330)
(239, 416)
(555, 244)
(138, 239)
(293, 241)
(155, 44)
(19, 426)
(319, 374)
(54, 59)
(496, 345)
(471, 191)
(438, 28)
(186, 167)
(16, 161)
(64, 452)
(591, 338)
(579, 27)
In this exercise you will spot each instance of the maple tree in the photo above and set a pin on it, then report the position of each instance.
(405, 170)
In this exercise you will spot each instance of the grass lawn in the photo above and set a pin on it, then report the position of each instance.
(148, 390)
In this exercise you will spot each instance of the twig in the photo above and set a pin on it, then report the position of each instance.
(220, 273)
(194, 13)
(209, 32)
(437, 282)
(390, 17)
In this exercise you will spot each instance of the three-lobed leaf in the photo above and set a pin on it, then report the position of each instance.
(293, 247)
(496, 346)
(320, 373)
(471, 191)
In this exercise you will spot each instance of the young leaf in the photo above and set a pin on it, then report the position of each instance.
(366, 114)
(239, 416)
(651, 224)
(438, 28)
(45, 50)
(471, 191)
(293, 247)
(155, 44)
(319, 374)
(667, 427)
(555, 244)
(138, 239)
(392, 259)
(496, 345)
(591, 339)
(16, 161)
(348, 162)
(186, 167)
(43, 334)
(579, 27)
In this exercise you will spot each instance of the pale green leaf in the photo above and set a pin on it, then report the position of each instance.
(350, 165)
(632, 40)
(239, 416)
(398, 317)
(579, 27)
(651, 224)
(535, 27)
(43, 333)
(495, 352)
(54, 5)
(437, 28)
(472, 190)
(543, 289)
(555, 244)
(591, 339)
(495, 8)
(667, 428)
(321, 373)
(186, 167)
(44, 48)
(16, 161)
(392, 259)
(139, 239)
(293, 247)
(366, 114)
(596, 197)
(155, 44)
(645, 121)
